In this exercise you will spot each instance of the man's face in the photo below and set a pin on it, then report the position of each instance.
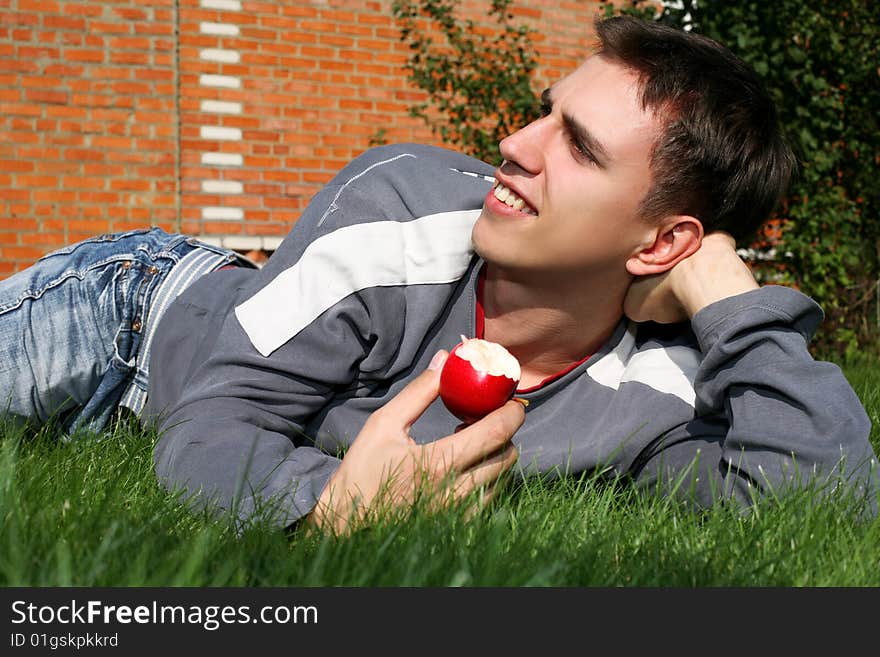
(580, 173)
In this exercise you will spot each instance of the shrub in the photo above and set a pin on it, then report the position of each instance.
(473, 101)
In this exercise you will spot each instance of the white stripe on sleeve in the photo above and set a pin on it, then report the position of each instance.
(671, 369)
(432, 249)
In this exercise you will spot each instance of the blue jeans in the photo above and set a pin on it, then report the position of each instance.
(73, 324)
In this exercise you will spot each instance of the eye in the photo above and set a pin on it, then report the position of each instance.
(581, 152)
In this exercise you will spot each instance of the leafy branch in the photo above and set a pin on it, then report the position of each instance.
(478, 79)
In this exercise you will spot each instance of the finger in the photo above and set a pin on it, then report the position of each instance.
(475, 442)
(407, 405)
(486, 472)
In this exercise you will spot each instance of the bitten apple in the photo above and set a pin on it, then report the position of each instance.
(478, 377)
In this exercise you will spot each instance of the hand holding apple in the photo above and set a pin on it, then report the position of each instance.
(385, 466)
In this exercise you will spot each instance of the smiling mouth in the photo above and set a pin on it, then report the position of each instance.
(505, 195)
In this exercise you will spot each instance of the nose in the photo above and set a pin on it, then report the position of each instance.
(524, 147)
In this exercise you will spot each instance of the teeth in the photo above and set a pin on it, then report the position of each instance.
(504, 195)
(501, 193)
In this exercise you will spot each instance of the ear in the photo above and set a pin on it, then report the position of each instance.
(675, 239)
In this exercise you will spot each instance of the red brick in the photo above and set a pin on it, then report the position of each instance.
(129, 58)
(26, 180)
(46, 96)
(57, 167)
(317, 176)
(83, 181)
(258, 33)
(16, 165)
(19, 19)
(54, 196)
(132, 88)
(90, 227)
(31, 52)
(130, 43)
(112, 142)
(20, 253)
(111, 73)
(129, 184)
(298, 10)
(104, 170)
(358, 30)
(65, 140)
(38, 152)
(83, 8)
(97, 197)
(20, 109)
(107, 27)
(66, 111)
(76, 55)
(154, 27)
(18, 224)
(53, 240)
(374, 19)
(130, 13)
(15, 65)
(41, 81)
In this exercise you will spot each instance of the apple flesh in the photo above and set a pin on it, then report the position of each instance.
(478, 377)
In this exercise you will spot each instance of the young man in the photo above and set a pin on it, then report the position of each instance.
(619, 206)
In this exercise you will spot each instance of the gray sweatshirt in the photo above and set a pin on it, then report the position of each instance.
(261, 378)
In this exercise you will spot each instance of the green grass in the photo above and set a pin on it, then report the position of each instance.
(89, 513)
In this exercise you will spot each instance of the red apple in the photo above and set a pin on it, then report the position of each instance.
(478, 377)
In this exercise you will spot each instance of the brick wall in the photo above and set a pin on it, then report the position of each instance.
(220, 118)
(87, 136)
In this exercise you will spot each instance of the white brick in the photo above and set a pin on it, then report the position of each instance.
(228, 5)
(219, 132)
(223, 159)
(222, 55)
(225, 81)
(220, 107)
(242, 242)
(272, 243)
(215, 213)
(213, 240)
(219, 29)
(222, 187)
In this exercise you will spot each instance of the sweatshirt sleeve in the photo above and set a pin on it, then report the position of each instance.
(768, 416)
(237, 374)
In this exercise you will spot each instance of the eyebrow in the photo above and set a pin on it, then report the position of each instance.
(579, 132)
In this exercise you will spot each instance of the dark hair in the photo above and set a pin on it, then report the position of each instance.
(721, 156)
